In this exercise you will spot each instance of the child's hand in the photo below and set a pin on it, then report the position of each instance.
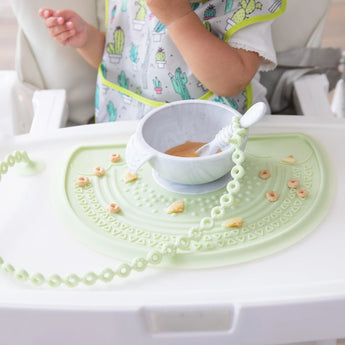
(65, 26)
(169, 11)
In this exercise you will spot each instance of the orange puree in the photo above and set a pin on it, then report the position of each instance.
(185, 150)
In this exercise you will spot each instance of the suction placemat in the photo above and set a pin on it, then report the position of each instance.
(143, 223)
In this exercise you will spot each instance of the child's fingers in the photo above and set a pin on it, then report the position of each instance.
(46, 12)
(54, 21)
(63, 37)
(65, 13)
(61, 29)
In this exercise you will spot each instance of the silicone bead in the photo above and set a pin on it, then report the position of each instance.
(226, 200)
(217, 212)
(22, 275)
(233, 187)
(237, 171)
(236, 121)
(54, 281)
(25, 157)
(10, 160)
(3, 168)
(242, 131)
(123, 270)
(206, 223)
(154, 257)
(72, 280)
(169, 249)
(139, 264)
(107, 275)
(18, 156)
(37, 279)
(89, 278)
(235, 140)
(8, 268)
(238, 157)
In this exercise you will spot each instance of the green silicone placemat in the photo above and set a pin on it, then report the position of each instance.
(143, 223)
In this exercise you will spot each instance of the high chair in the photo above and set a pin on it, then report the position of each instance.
(294, 296)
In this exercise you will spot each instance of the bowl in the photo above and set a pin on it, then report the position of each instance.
(173, 124)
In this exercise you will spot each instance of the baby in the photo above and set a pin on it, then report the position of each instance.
(159, 51)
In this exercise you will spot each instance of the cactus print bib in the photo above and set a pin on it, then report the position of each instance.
(142, 68)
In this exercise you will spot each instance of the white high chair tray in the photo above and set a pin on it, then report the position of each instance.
(297, 294)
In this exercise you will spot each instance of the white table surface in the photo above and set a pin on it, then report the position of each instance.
(306, 280)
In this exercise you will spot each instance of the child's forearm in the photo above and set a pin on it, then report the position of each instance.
(92, 51)
(222, 69)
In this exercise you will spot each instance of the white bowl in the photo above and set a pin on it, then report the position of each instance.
(173, 124)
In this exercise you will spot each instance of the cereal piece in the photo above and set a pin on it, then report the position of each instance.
(99, 171)
(232, 223)
(289, 159)
(113, 208)
(264, 174)
(272, 196)
(82, 181)
(129, 177)
(293, 183)
(302, 193)
(115, 157)
(176, 207)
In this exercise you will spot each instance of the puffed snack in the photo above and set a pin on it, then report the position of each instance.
(115, 157)
(289, 159)
(128, 177)
(233, 223)
(293, 183)
(99, 171)
(272, 196)
(264, 174)
(302, 193)
(113, 208)
(176, 207)
(82, 181)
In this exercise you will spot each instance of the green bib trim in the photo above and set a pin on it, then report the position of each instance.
(249, 93)
(127, 92)
(254, 20)
(106, 14)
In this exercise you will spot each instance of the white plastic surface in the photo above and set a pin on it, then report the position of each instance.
(7, 81)
(15, 105)
(338, 101)
(311, 96)
(50, 111)
(293, 296)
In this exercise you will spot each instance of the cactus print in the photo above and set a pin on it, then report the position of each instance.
(141, 66)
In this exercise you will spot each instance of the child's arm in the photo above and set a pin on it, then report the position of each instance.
(224, 70)
(69, 29)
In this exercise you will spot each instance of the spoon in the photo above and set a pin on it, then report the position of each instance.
(220, 141)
